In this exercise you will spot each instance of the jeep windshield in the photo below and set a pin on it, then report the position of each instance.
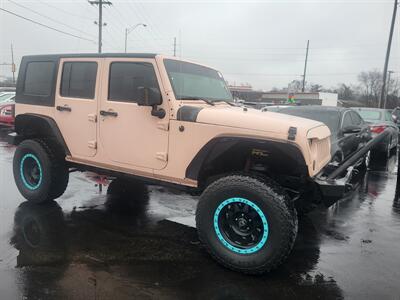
(194, 82)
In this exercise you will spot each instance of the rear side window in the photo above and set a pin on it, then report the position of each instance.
(347, 121)
(357, 120)
(388, 116)
(38, 78)
(127, 77)
(79, 80)
(370, 115)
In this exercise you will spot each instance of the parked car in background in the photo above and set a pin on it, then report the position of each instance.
(7, 89)
(7, 97)
(379, 120)
(349, 132)
(396, 116)
(7, 114)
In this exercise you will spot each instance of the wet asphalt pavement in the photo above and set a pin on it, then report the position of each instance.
(88, 246)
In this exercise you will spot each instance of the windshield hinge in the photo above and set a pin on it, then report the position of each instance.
(292, 133)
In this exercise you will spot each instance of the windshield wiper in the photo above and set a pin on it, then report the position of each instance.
(198, 98)
(226, 101)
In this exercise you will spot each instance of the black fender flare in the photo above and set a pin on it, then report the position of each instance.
(219, 145)
(35, 125)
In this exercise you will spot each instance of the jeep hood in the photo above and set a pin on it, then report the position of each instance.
(256, 120)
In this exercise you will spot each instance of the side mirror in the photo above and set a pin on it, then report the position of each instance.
(394, 118)
(351, 129)
(151, 97)
(148, 96)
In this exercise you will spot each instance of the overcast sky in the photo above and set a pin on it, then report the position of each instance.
(259, 42)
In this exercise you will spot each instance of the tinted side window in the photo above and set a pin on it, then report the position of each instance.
(38, 78)
(79, 80)
(127, 77)
(357, 120)
(388, 116)
(347, 121)
(396, 112)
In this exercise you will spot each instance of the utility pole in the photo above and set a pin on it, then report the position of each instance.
(126, 39)
(305, 67)
(387, 88)
(12, 63)
(100, 3)
(174, 46)
(385, 67)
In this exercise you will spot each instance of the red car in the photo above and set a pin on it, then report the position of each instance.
(7, 114)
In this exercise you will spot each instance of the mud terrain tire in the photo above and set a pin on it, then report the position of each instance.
(40, 171)
(256, 208)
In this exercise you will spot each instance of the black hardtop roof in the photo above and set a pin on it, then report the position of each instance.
(94, 55)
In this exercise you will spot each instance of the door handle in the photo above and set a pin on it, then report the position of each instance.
(64, 108)
(108, 113)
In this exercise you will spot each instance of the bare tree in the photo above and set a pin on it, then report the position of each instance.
(315, 87)
(295, 86)
(345, 92)
(371, 85)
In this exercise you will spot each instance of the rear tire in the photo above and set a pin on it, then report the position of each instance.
(40, 171)
(247, 224)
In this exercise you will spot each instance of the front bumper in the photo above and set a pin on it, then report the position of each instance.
(335, 180)
(333, 190)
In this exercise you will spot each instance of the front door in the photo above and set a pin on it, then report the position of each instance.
(76, 104)
(129, 134)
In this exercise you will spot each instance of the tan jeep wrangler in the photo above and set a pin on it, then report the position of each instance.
(159, 120)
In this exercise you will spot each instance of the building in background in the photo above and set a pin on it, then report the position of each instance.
(244, 93)
(312, 98)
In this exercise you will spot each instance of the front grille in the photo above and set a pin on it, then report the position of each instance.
(322, 153)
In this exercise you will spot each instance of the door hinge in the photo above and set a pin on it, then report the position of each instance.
(92, 118)
(163, 125)
(92, 144)
(163, 156)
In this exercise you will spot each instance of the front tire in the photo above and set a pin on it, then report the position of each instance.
(40, 171)
(246, 223)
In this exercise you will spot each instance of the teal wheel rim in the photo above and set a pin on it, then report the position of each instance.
(31, 171)
(241, 226)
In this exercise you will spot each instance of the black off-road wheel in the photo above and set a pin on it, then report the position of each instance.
(246, 223)
(40, 171)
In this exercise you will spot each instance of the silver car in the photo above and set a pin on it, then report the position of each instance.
(379, 120)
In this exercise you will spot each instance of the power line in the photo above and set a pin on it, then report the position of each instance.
(49, 18)
(46, 26)
(280, 60)
(152, 28)
(64, 11)
(289, 74)
(319, 2)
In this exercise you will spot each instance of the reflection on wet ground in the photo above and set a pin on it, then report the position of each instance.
(90, 246)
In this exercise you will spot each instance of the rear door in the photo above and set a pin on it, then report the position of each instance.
(76, 104)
